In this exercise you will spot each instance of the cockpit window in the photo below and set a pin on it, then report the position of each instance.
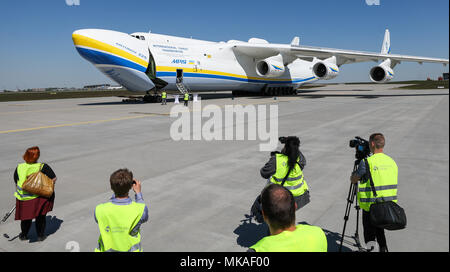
(143, 38)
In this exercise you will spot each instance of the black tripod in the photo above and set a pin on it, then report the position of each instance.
(350, 199)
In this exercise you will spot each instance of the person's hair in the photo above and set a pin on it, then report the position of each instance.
(278, 205)
(378, 139)
(121, 182)
(292, 150)
(32, 154)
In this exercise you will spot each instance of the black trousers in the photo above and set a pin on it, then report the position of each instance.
(40, 222)
(371, 233)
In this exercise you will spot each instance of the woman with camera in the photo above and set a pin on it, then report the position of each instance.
(30, 206)
(285, 168)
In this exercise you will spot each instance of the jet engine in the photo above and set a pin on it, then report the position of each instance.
(326, 69)
(382, 73)
(270, 67)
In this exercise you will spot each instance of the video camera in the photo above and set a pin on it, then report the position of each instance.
(361, 146)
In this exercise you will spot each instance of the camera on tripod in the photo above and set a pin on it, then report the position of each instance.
(361, 146)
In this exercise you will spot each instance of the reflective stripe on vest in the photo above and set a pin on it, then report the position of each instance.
(23, 171)
(116, 222)
(295, 182)
(304, 239)
(135, 248)
(384, 173)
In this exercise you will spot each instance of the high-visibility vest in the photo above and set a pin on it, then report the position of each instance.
(304, 239)
(164, 95)
(295, 182)
(186, 96)
(116, 223)
(23, 171)
(384, 173)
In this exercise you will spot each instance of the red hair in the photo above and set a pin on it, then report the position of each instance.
(32, 154)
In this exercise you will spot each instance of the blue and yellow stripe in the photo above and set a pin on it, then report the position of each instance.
(168, 71)
(102, 53)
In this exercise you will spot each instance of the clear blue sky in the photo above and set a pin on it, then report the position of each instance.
(36, 48)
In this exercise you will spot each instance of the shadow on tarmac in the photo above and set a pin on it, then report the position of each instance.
(250, 233)
(52, 226)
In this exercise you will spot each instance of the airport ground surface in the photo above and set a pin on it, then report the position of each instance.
(199, 192)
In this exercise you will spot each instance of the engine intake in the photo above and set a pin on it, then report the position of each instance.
(382, 73)
(270, 67)
(326, 69)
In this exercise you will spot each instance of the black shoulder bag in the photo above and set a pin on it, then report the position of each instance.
(385, 214)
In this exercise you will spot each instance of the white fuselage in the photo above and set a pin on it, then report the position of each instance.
(203, 65)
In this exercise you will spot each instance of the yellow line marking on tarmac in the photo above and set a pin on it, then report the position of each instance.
(127, 118)
(48, 110)
(74, 124)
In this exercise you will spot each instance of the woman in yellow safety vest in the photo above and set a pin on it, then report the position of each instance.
(29, 206)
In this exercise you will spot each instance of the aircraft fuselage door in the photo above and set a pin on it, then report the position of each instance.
(179, 76)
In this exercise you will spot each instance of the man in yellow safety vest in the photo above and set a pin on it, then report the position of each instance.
(278, 208)
(119, 220)
(384, 172)
(164, 98)
(186, 99)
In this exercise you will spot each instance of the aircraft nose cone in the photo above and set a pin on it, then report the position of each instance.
(118, 55)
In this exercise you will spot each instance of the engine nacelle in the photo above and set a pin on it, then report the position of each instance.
(326, 69)
(382, 73)
(270, 67)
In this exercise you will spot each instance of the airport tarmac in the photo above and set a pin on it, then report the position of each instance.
(199, 192)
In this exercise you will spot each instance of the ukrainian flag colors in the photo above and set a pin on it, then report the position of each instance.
(103, 53)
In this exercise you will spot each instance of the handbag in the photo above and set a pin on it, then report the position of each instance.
(385, 214)
(39, 184)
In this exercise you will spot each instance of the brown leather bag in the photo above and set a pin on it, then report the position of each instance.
(39, 184)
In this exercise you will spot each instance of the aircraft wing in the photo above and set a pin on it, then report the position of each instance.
(262, 51)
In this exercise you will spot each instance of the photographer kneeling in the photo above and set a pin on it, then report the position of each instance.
(285, 168)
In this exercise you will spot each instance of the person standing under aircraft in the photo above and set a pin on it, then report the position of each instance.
(278, 208)
(120, 219)
(164, 98)
(29, 206)
(384, 172)
(186, 99)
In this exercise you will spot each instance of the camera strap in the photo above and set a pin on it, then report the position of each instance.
(289, 171)
(372, 185)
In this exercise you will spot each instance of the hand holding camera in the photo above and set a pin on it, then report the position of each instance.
(136, 186)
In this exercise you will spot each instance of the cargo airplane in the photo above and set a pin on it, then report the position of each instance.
(153, 62)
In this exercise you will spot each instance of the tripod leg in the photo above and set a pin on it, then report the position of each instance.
(347, 213)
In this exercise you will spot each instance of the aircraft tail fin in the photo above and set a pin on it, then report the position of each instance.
(295, 41)
(386, 47)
